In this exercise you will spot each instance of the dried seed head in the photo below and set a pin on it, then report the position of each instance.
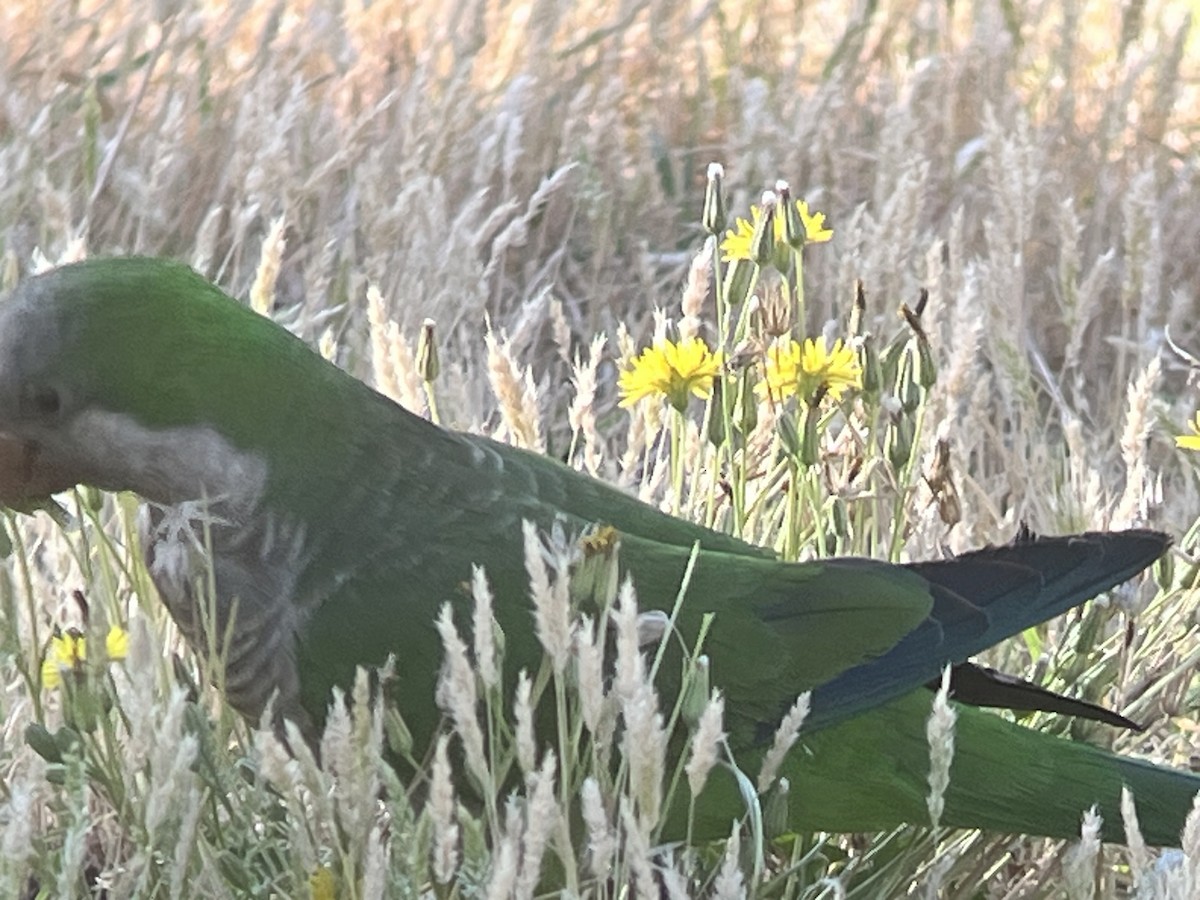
(262, 293)
(441, 813)
(602, 843)
(484, 629)
(706, 743)
(729, 883)
(456, 695)
(523, 719)
(939, 731)
(551, 601)
(785, 737)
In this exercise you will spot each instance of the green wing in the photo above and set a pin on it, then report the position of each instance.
(800, 624)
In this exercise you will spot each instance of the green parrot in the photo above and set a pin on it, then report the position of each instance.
(337, 524)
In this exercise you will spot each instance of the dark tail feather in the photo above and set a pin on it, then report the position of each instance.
(983, 597)
(1068, 569)
(981, 686)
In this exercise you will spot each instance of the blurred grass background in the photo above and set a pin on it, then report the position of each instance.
(1032, 165)
(541, 164)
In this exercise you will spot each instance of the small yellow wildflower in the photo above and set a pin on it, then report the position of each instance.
(1190, 441)
(791, 368)
(815, 231)
(672, 370)
(322, 885)
(116, 642)
(737, 243)
(68, 652)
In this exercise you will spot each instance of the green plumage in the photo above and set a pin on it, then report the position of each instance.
(870, 772)
(346, 522)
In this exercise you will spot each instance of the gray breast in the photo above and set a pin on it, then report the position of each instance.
(230, 589)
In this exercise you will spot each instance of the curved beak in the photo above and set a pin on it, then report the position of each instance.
(27, 475)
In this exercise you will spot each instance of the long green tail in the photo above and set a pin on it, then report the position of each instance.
(1004, 777)
(870, 773)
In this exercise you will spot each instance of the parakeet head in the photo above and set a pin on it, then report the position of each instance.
(137, 374)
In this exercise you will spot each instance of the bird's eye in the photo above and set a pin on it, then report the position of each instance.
(40, 401)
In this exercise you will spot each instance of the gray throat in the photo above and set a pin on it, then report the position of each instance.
(225, 565)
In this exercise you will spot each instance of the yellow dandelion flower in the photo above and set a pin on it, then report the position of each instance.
(1190, 441)
(736, 244)
(815, 231)
(672, 370)
(67, 653)
(116, 642)
(322, 885)
(811, 369)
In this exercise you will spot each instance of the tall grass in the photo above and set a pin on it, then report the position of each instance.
(529, 177)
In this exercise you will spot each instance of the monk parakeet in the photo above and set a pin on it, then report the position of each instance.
(338, 523)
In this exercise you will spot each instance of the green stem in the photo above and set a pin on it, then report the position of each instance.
(791, 511)
(32, 659)
(678, 427)
(724, 345)
(431, 402)
(801, 311)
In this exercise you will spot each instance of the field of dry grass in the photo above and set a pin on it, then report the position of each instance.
(534, 171)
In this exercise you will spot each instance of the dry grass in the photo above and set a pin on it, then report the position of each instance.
(542, 164)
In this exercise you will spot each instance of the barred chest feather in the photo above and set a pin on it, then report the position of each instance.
(212, 576)
(226, 567)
